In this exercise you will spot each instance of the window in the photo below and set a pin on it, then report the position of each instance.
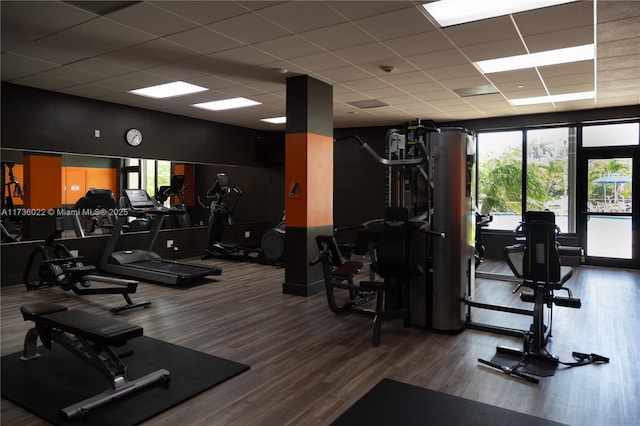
(500, 178)
(545, 158)
(621, 134)
(549, 186)
(147, 174)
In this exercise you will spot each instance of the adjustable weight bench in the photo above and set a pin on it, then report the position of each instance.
(89, 337)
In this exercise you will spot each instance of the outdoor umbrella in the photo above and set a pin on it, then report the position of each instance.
(615, 179)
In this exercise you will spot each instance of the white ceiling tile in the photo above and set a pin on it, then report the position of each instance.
(617, 10)
(46, 15)
(368, 53)
(204, 40)
(463, 82)
(339, 36)
(619, 30)
(364, 84)
(497, 49)
(150, 54)
(403, 79)
(482, 32)
(241, 57)
(261, 28)
(418, 44)
(628, 61)
(573, 68)
(88, 91)
(443, 58)
(320, 62)
(339, 75)
(288, 47)
(44, 81)
(563, 17)
(630, 46)
(237, 48)
(455, 72)
(104, 30)
(356, 9)
(144, 16)
(202, 12)
(395, 24)
(25, 63)
(558, 40)
(302, 16)
(515, 77)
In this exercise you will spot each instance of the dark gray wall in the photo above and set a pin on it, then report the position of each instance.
(39, 120)
(34, 119)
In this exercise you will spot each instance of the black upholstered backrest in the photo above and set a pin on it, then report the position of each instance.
(329, 243)
(541, 261)
(393, 252)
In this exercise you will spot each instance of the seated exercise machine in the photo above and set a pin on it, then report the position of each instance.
(392, 262)
(144, 263)
(543, 274)
(176, 189)
(91, 338)
(338, 275)
(224, 197)
(58, 267)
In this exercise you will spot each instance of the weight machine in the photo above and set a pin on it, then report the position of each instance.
(430, 174)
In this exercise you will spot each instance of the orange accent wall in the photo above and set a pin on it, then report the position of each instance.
(309, 161)
(77, 180)
(42, 177)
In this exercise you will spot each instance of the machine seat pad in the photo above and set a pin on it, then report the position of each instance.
(32, 311)
(347, 270)
(95, 328)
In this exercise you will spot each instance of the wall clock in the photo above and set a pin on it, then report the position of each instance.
(134, 137)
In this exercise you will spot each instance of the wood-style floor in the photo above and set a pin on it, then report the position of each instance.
(309, 365)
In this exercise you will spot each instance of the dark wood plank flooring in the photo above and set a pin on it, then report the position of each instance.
(309, 365)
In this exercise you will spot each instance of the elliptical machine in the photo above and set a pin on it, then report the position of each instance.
(224, 198)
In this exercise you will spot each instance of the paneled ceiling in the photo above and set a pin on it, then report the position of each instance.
(388, 53)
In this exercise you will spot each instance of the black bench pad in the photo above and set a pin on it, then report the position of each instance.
(97, 329)
(33, 311)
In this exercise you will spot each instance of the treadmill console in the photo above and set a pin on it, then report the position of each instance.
(139, 199)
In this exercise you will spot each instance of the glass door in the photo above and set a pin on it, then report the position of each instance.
(610, 221)
(609, 208)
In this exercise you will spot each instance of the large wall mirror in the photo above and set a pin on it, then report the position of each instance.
(39, 187)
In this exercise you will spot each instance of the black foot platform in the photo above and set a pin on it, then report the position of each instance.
(89, 337)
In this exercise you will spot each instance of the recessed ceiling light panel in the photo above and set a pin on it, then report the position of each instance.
(565, 97)
(539, 59)
(453, 12)
(169, 90)
(227, 104)
(275, 120)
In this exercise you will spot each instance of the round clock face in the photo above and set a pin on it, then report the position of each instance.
(134, 137)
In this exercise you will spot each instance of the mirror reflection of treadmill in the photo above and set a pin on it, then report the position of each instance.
(144, 263)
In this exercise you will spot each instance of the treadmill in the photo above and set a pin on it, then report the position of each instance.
(145, 264)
